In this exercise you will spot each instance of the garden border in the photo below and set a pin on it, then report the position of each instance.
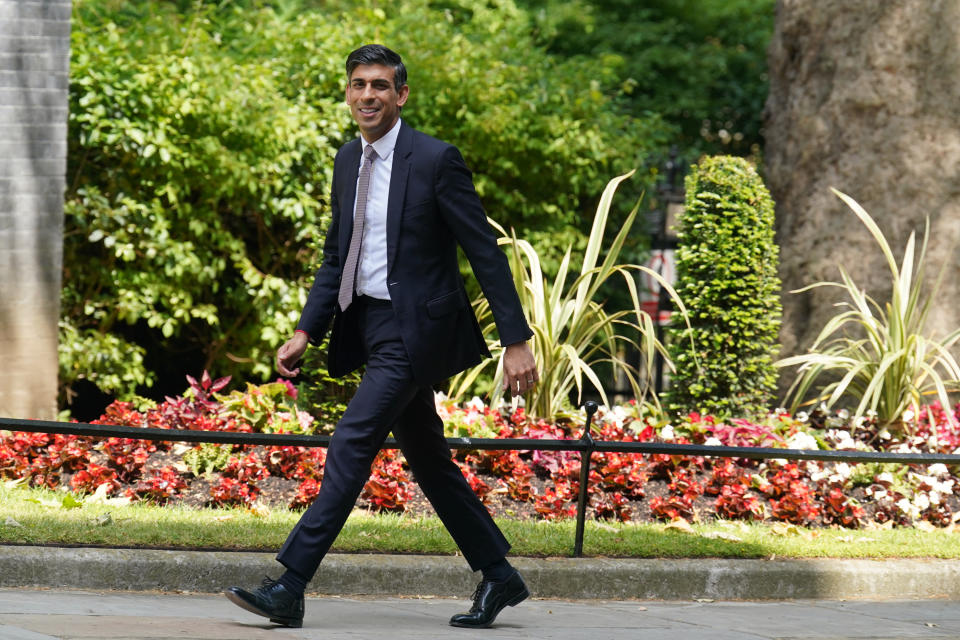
(584, 445)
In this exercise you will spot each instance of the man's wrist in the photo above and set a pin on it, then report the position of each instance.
(307, 335)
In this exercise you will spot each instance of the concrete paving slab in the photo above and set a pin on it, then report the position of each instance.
(30, 614)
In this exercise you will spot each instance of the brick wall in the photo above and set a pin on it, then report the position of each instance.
(34, 70)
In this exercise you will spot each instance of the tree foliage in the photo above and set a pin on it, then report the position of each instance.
(727, 277)
(699, 64)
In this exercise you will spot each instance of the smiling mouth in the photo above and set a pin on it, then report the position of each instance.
(368, 110)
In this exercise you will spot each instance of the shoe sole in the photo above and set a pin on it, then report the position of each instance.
(243, 604)
(517, 599)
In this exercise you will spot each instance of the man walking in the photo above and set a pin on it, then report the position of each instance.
(389, 282)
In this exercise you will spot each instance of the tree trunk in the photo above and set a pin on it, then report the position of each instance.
(34, 66)
(865, 98)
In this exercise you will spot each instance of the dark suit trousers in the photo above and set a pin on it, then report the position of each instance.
(387, 400)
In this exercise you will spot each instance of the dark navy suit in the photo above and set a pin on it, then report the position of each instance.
(424, 334)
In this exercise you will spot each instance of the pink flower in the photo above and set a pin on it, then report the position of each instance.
(291, 390)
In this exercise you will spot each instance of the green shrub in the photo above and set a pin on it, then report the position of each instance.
(196, 189)
(207, 457)
(727, 277)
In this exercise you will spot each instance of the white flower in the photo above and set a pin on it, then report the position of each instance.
(884, 434)
(843, 414)
(841, 439)
(667, 432)
(921, 501)
(906, 507)
(886, 476)
(801, 440)
(843, 470)
(475, 404)
(802, 416)
(713, 442)
(934, 497)
(907, 416)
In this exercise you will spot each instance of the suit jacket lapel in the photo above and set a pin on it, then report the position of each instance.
(398, 189)
(347, 193)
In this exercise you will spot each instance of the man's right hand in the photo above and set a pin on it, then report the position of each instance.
(289, 354)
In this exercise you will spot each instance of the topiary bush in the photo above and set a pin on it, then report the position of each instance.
(727, 277)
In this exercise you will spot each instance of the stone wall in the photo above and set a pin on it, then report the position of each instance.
(864, 97)
(34, 67)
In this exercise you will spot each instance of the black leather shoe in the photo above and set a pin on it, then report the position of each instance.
(272, 600)
(489, 599)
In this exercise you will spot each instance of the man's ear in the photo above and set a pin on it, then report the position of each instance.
(404, 93)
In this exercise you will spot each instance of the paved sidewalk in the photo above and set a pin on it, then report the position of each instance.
(76, 615)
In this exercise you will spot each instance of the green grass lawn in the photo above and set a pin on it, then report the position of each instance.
(32, 516)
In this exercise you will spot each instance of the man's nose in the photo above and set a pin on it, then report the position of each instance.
(368, 93)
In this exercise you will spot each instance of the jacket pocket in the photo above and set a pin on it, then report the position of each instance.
(417, 209)
(447, 303)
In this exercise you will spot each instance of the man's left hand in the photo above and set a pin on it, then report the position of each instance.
(519, 369)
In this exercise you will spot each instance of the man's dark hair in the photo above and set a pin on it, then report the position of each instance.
(378, 54)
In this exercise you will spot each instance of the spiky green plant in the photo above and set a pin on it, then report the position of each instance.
(883, 354)
(573, 333)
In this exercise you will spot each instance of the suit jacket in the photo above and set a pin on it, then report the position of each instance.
(432, 207)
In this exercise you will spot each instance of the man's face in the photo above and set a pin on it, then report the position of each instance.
(374, 102)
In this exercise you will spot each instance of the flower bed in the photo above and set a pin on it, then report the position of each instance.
(522, 484)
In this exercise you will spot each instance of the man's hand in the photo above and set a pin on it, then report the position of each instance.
(289, 354)
(519, 369)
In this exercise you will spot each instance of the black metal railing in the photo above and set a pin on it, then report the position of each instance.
(585, 445)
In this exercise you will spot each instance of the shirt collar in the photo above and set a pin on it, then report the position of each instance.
(385, 145)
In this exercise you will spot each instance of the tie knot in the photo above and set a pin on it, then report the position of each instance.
(369, 152)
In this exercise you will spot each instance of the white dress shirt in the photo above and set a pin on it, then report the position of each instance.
(372, 270)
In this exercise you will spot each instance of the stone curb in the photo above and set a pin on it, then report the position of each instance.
(573, 578)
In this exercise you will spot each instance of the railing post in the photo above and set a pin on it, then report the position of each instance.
(585, 454)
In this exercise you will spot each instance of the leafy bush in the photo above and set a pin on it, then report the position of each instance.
(727, 277)
(885, 356)
(207, 457)
(572, 331)
(195, 191)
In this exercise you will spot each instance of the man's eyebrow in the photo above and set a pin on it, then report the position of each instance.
(373, 81)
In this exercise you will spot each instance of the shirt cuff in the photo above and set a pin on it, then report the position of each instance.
(304, 333)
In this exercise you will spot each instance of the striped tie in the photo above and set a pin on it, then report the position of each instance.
(353, 255)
